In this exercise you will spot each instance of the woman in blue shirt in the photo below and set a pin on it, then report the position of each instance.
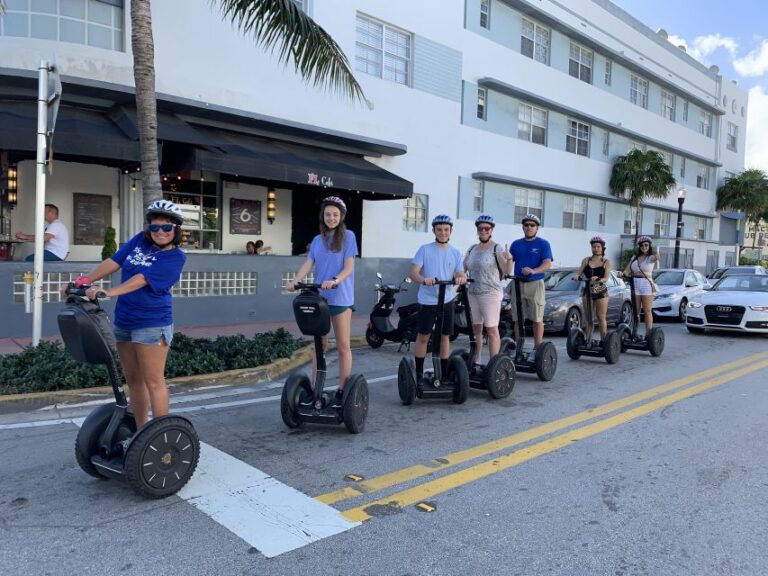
(332, 253)
(150, 264)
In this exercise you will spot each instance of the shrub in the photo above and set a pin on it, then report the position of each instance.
(110, 246)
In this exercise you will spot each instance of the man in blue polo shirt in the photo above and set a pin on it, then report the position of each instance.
(532, 258)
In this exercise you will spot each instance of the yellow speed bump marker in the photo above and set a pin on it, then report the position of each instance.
(353, 478)
(426, 506)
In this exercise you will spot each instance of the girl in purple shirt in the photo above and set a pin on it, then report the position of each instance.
(332, 253)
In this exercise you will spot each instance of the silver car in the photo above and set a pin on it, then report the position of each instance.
(564, 309)
(676, 287)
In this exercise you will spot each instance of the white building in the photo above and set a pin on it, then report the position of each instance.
(497, 106)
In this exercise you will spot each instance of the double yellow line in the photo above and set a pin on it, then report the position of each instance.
(728, 372)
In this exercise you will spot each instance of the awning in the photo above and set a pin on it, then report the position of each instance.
(79, 133)
(253, 157)
(170, 127)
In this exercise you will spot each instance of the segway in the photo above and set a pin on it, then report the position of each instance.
(652, 342)
(156, 460)
(498, 375)
(543, 360)
(303, 401)
(580, 343)
(434, 384)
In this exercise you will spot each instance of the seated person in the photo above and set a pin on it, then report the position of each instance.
(261, 249)
(250, 247)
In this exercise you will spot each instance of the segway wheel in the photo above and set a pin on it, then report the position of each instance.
(507, 345)
(574, 341)
(87, 441)
(625, 333)
(500, 376)
(546, 361)
(355, 409)
(162, 457)
(612, 347)
(406, 381)
(655, 341)
(461, 353)
(457, 369)
(374, 339)
(296, 386)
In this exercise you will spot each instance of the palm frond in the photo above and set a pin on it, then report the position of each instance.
(281, 27)
(638, 176)
(747, 192)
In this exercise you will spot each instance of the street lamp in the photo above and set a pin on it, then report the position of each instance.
(680, 224)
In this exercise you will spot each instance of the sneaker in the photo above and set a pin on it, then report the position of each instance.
(336, 400)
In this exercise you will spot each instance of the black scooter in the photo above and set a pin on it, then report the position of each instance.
(652, 342)
(542, 361)
(498, 375)
(435, 384)
(302, 401)
(155, 460)
(380, 326)
(580, 342)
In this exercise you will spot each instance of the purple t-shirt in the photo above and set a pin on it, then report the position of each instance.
(329, 264)
(150, 306)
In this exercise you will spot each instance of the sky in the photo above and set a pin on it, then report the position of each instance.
(733, 34)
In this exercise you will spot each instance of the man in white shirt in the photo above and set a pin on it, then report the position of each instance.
(56, 237)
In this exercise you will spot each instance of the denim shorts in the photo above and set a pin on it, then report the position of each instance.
(151, 336)
(336, 310)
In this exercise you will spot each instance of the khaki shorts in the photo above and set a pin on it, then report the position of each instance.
(533, 300)
(486, 308)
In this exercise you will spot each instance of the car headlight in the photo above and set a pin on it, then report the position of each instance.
(759, 308)
(695, 304)
(660, 296)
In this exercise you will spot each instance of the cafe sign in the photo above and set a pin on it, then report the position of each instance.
(316, 179)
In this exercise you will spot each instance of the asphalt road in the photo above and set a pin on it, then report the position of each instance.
(652, 466)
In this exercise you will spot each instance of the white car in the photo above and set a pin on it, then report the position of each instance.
(677, 287)
(737, 303)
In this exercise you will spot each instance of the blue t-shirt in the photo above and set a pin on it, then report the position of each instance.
(150, 306)
(530, 253)
(329, 264)
(440, 263)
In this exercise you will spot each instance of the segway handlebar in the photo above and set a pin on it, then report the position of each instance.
(314, 286)
(73, 289)
(450, 282)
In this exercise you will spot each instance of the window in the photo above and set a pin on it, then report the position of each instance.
(667, 257)
(608, 72)
(702, 177)
(685, 111)
(415, 213)
(705, 123)
(606, 143)
(580, 63)
(478, 195)
(632, 145)
(733, 136)
(700, 228)
(382, 51)
(668, 103)
(532, 124)
(528, 202)
(577, 139)
(97, 23)
(575, 212)
(669, 158)
(630, 220)
(661, 224)
(601, 213)
(485, 13)
(638, 91)
(713, 257)
(482, 98)
(682, 167)
(199, 207)
(534, 42)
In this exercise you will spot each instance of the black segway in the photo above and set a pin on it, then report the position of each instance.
(302, 401)
(498, 375)
(435, 384)
(652, 342)
(156, 460)
(542, 361)
(580, 342)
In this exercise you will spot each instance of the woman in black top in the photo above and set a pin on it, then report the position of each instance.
(598, 269)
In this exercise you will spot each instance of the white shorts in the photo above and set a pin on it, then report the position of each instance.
(643, 287)
(486, 308)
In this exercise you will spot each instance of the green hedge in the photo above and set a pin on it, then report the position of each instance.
(48, 366)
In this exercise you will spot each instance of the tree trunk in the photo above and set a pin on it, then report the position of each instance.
(143, 46)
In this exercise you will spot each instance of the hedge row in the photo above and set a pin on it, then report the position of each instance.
(47, 366)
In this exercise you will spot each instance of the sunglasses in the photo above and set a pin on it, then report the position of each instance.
(483, 228)
(163, 227)
(529, 225)
(645, 245)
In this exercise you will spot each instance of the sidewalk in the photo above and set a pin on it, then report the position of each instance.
(359, 324)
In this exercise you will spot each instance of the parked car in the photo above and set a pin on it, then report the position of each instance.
(720, 272)
(676, 288)
(737, 302)
(564, 309)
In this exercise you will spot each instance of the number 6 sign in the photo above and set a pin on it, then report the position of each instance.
(244, 216)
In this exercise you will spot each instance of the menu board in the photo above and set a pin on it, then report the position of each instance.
(244, 216)
(93, 214)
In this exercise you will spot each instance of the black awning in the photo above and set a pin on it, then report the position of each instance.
(82, 134)
(169, 127)
(253, 157)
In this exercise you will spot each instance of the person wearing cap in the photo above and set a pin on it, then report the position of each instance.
(485, 262)
(437, 260)
(640, 269)
(150, 263)
(332, 254)
(597, 268)
(532, 257)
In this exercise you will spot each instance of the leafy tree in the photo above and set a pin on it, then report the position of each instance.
(746, 192)
(638, 176)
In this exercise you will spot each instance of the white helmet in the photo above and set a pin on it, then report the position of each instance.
(165, 208)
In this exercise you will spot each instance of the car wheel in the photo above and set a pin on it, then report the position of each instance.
(572, 320)
(683, 310)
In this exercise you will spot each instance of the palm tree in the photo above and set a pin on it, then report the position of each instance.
(748, 193)
(277, 25)
(638, 176)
